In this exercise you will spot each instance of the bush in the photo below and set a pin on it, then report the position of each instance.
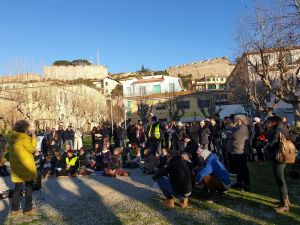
(62, 63)
(296, 131)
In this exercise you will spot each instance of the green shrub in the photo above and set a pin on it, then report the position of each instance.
(296, 131)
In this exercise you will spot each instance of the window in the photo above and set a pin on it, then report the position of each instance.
(222, 86)
(161, 106)
(128, 104)
(214, 79)
(211, 86)
(156, 89)
(288, 58)
(34, 96)
(61, 97)
(171, 87)
(205, 79)
(106, 91)
(204, 103)
(224, 96)
(142, 90)
(129, 91)
(183, 105)
(106, 83)
(221, 79)
(208, 79)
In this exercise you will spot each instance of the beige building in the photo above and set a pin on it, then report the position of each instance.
(221, 66)
(107, 84)
(188, 100)
(75, 72)
(212, 82)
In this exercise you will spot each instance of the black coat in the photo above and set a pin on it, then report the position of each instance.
(191, 149)
(256, 142)
(203, 134)
(60, 134)
(162, 162)
(112, 165)
(274, 139)
(68, 135)
(180, 175)
(83, 159)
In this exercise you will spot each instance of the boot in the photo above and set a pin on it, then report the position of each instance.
(284, 207)
(288, 201)
(167, 203)
(33, 211)
(14, 213)
(184, 203)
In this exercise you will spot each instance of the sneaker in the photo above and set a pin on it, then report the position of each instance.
(246, 188)
(237, 185)
(14, 213)
(213, 199)
(33, 211)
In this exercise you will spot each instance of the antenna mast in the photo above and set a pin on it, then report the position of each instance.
(98, 56)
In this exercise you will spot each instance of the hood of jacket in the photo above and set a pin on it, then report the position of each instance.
(18, 136)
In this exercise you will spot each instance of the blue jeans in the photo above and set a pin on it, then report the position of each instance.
(180, 145)
(123, 143)
(70, 142)
(218, 150)
(60, 144)
(167, 189)
(155, 147)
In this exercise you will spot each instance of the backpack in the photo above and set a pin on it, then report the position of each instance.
(286, 151)
(262, 135)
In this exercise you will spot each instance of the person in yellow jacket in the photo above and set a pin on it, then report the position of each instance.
(23, 170)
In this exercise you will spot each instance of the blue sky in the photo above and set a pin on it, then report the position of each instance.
(128, 33)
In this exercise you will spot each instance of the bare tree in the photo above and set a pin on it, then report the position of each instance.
(145, 106)
(208, 104)
(174, 106)
(267, 36)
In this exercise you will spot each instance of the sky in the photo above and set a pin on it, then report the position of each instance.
(128, 33)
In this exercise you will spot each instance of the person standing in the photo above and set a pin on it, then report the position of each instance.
(277, 127)
(77, 140)
(23, 170)
(122, 136)
(46, 140)
(180, 133)
(60, 141)
(116, 135)
(239, 145)
(129, 130)
(155, 135)
(53, 139)
(204, 133)
(194, 131)
(69, 136)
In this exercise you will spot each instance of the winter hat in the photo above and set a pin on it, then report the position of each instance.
(205, 153)
(82, 148)
(256, 119)
(188, 136)
(179, 124)
(154, 118)
(202, 121)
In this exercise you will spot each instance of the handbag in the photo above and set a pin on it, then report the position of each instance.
(286, 150)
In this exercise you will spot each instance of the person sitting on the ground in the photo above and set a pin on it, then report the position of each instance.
(105, 154)
(213, 175)
(83, 158)
(65, 154)
(150, 162)
(115, 164)
(123, 153)
(72, 165)
(58, 156)
(191, 149)
(162, 160)
(178, 184)
(186, 158)
(133, 159)
(49, 165)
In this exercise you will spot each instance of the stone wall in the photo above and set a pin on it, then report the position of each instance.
(75, 72)
(20, 78)
(220, 66)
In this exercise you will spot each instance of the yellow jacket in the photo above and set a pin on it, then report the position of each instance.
(21, 148)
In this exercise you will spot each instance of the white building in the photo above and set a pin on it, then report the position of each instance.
(107, 84)
(152, 85)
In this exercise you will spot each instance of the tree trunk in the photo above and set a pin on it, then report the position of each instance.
(296, 108)
(270, 112)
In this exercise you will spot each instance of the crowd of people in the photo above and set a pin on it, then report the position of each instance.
(178, 157)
